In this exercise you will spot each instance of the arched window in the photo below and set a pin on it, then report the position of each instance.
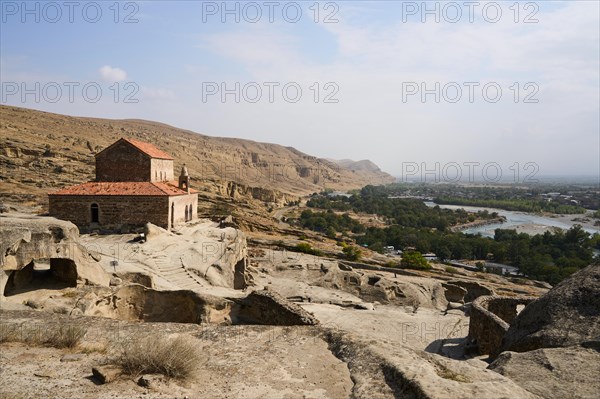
(191, 213)
(155, 175)
(186, 213)
(95, 211)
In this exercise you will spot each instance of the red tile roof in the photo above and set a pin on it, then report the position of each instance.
(146, 148)
(149, 149)
(124, 188)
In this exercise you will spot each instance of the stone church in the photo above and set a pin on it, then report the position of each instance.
(134, 184)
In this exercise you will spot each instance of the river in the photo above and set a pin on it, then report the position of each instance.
(527, 222)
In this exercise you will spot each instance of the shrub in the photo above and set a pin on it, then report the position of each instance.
(414, 260)
(305, 248)
(451, 270)
(352, 253)
(177, 357)
(65, 337)
(61, 336)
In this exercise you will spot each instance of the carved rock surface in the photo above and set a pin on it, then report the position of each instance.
(569, 314)
(553, 373)
(25, 239)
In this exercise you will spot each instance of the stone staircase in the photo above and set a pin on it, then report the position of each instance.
(176, 273)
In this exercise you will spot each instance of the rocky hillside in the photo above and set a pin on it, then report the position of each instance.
(358, 166)
(41, 151)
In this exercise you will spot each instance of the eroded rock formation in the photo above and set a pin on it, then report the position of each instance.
(569, 314)
(490, 320)
(553, 373)
(27, 241)
(558, 337)
(267, 307)
(136, 302)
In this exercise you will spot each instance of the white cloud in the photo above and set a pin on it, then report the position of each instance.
(372, 61)
(255, 47)
(369, 56)
(110, 74)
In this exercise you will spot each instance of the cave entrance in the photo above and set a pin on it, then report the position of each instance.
(373, 280)
(52, 274)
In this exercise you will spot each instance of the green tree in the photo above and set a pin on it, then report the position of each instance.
(414, 260)
(352, 253)
(443, 253)
(330, 232)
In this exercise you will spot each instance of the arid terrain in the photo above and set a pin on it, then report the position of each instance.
(226, 307)
(279, 324)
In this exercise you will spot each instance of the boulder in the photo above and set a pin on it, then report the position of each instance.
(152, 231)
(115, 281)
(106, 374)
(553, 373)
(474, 289)
(569, 314)
(151, 381)
(268, 307)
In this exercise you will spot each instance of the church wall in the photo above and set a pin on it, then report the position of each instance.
(161, 167)
(123, 163)
(179, 203)
(118, 213)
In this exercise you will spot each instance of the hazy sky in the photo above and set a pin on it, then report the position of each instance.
(399, 83)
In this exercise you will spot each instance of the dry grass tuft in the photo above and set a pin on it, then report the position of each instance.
(177, 357)
(451, 270)
(61, 336)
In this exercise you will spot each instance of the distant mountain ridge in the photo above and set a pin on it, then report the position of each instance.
(363, 166)
(42, 151)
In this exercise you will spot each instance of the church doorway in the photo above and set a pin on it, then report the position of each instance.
(95, 213)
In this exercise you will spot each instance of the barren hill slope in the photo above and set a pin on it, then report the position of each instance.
(363, 166)
(41, 151)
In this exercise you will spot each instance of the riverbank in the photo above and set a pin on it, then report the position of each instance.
(586, 220)
(478, 223)
(529, 223)
(533, 229)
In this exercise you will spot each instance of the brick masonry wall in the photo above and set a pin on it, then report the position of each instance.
(122, 163)
(164, 166)
(115, 212)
